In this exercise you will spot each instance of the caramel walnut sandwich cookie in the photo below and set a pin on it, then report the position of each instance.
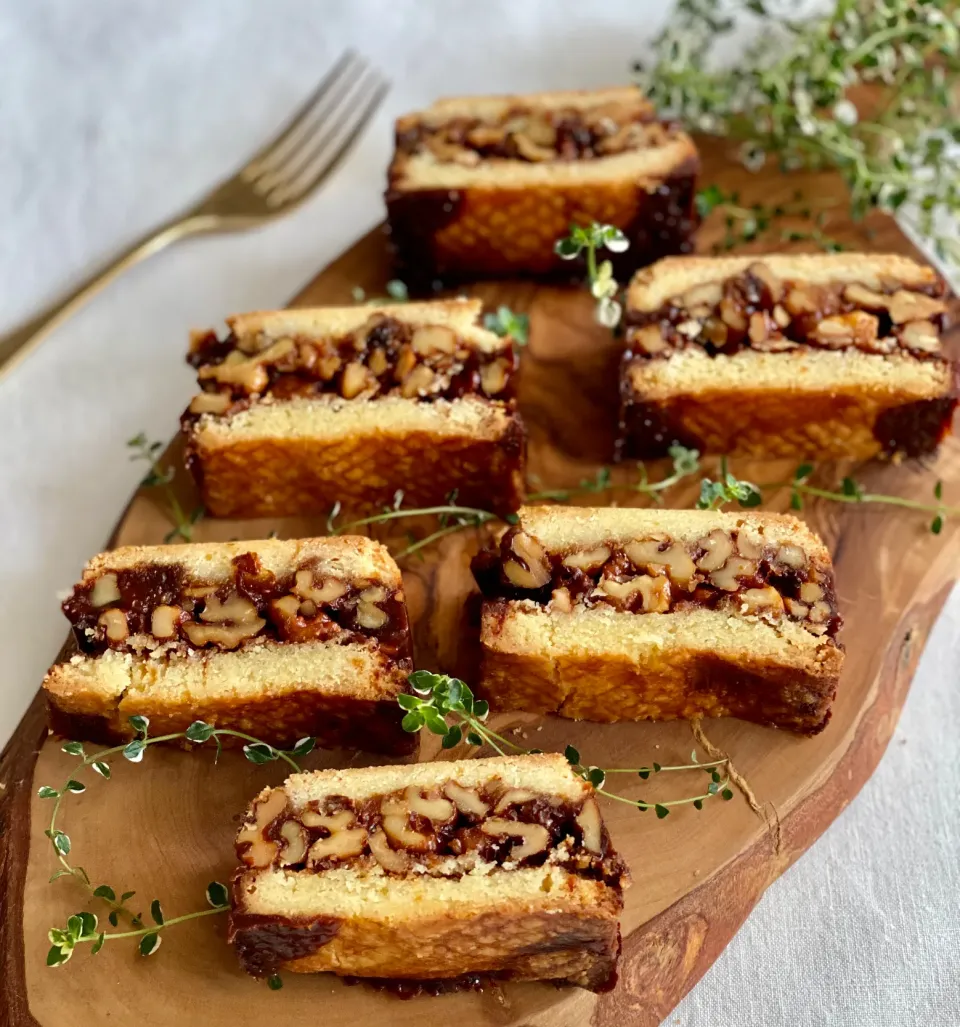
(485, 185)
(283, 639)
(492, 866)
(302, 409)
(625, 614)
(827, 356)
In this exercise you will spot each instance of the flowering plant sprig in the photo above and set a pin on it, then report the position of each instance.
(160, 477)
(505, 321)
(438, 699)
(587, 239)
(84, 927)
(788, 98)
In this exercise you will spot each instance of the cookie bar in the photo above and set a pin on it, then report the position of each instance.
(279, 639)
(302, 409)
(484, 186)
(624, 614)
(823, 356)
(498, 867)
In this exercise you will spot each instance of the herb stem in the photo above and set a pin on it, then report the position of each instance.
(864, 497)
(672, 802)
(390, 515)
(156, 928)
(685, 766)
(414, 547)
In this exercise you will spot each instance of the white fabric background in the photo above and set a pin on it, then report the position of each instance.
(116, 113)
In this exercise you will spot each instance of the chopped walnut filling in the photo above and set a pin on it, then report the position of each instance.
(154, 607)
(447, 831)
(538, 136)
(757, 310)
(383, 357)
(722, 570)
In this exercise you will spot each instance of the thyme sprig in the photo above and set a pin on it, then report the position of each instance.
(747, 224)
(730, 489)
(788, 98)
(588, 239)
(686, 462)
(161, 477)
(505, 321)
(83, 927)
(438, 699)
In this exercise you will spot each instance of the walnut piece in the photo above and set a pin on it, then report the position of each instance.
(719, 548)
(534, 837)
(164, 620)
(921, 335)
(588, 559)
(493, 377)
(114, 623)
(294, 848)
(105, 590)
(466, 799)
(701, 299)
(210, 403)
(356, 379)
(261, 851)
(389, 859)
(513, 797)
(561, 601)
(727, 576)
(328, 591)
(435, 809)
(344, 840)
(913, 306)
(649, 339)
(418, 382)
(534, 570)
(675, 558)
(432, 339)
(761, 600)
(588, 820)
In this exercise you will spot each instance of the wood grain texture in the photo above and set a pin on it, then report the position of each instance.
(165, 827)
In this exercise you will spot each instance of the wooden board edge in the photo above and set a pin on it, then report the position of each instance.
(665, 958)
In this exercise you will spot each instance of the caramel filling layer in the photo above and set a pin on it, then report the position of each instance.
(537, 135)
(159, 607)
(448, 831)
(757, 310)
(383, 357)
(723, 570)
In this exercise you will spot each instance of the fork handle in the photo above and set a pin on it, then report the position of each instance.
(15, 345)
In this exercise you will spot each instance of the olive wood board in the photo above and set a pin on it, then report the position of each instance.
(165, 827)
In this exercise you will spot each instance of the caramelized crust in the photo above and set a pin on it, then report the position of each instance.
(834, 356)
(641, 614)
(423, 914)
(485, 186)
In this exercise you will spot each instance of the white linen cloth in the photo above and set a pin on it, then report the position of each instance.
(117, 113)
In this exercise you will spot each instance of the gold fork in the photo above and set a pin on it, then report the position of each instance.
(276, 180)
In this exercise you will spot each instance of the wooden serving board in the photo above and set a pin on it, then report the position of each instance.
(166, 827)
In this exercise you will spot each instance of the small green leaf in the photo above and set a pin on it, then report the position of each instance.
(260, 753)
(75, 786)
(454, 686)
(481, 709)
(661, 811)
(423, 682)
(726, 795)
(98, 944)
(936, 525)
(643, 773)
(275, 982)
(572, 756)
(938, 490)
(657, 768)
(73, 748)
(127, 895)
(58, 874)
(567, 249)
(452, 737)
(304, 746)
(149, 944)
(397, 290)
(596, 777)
(534, 752)
(851, 488)
(156, 912)
(114, 918)
(57, 937)
(133, 751)
(642, 806)
(199, 731)
(88, 925)
(708, 199)
(698, 803)
(217, 894)
(74, 927)
(140, 723)
(715, 774)
(57, 956)
(103, 769)
(435, 723)
(796, 501)
(713, 788)
(61, 842)
(473, 738)
(408, 702)
(105, 892)
(803, 472)
(412, 722)
(46, 792)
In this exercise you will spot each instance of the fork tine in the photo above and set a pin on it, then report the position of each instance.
(302, 114)
(326, 130)
(314, 173)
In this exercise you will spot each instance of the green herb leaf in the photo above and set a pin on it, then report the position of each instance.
(938, 490)
(408, 702)
(572, 756)
(61, 843)
(473, 738)
(596, 777)
(73, 748)
(103, 769)
(304, 746)
(156, 912)
(713, 788)
(481, 709)
(104, 891)
(698, 804)
(217, 894)
(98, 944)
(453, 737)
(199, 731)
(661, 811)
(423, 682)
(127, 895)
(275, 982)
(57, 956)
(397, 290)
(260, 752)
(657, 768)
(88, 925)
(149, 944)
(134, 750)
(412, 722)
(936, 525)
(726, 795)
(803, 472)
(74, 927)
(46, 792)
(114, 918)
(851, 488)
(643, 773)
(75, 786)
